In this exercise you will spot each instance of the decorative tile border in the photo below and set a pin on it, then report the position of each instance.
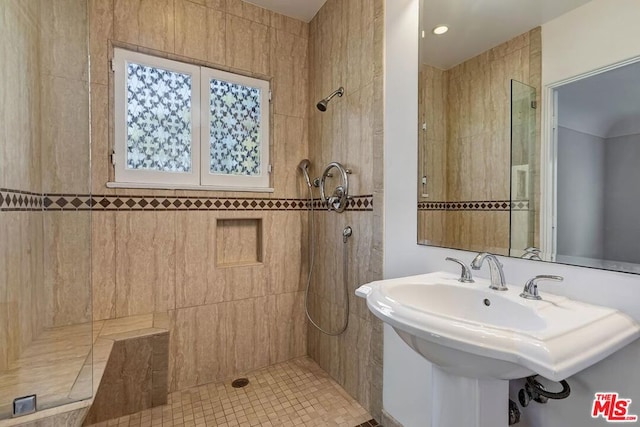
(370, 423)
(483, 205)
(14, 200)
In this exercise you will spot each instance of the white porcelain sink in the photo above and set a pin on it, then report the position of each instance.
(472, 331)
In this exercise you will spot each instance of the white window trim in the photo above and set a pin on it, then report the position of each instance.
(209, 179)
(199, 178)
(121, 59)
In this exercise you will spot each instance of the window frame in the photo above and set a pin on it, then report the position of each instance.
(200, 177)
(206, 177)
(121, 60)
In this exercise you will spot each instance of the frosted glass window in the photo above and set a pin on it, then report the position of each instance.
(158, 119)
(234, 134)
(179, 125)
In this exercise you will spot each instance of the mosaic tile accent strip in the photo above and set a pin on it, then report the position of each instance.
(484, 205)
(292, 394)
(16, 200)
(370, 423)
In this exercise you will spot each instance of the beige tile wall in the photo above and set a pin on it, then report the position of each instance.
(21, 243)
(474, 164)
(65, 153)
(45, 148)
(224, 320)
(433, 89)
(346, 50)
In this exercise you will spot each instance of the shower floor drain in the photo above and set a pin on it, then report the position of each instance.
(240, 382)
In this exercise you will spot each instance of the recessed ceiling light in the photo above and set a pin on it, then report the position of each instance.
(440, 29)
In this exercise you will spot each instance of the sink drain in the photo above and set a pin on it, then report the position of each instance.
(240, 382)
(487, 302)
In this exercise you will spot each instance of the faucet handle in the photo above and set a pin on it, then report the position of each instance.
(465, 274)
(531, 288)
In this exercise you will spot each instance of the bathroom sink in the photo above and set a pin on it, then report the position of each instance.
(470, 330)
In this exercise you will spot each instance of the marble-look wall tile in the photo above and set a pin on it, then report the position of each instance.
(197, 279)
(103, 265)
(126, 384)
(478, 116)
(19, 275)
(432, 227)
(249, 11)
(69, 418)
(198, 340)
(63, 39)
(214, 342)
(360, 259)
(284, 258)
(290, 146)
(167, 260)
(478, 142)
(360, 43)
(290, 25)
(65, 143)
(247, 45)
(346, 49)
(134, 379)
(145, 262)
(100, 146)
(147, 23)
(358, 139)
(239, 241)
(244, 282)
(213, 4)
(200, 32)
(327, 51)
(160, 370)
(100, 32)
(290, 83)
(287, 327)
(479, 231)
(20, 104)
(67, 263)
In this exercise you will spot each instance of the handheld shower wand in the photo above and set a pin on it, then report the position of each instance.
(304, 167)
(322, 105)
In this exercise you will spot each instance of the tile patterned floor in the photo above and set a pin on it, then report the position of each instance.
(291, 394)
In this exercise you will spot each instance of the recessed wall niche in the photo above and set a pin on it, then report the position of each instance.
(238, 242)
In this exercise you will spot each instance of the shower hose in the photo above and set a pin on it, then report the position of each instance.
(312, 253)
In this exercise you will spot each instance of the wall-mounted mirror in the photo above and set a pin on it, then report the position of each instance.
(515, 160)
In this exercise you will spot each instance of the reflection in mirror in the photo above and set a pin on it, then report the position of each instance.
(524, 155)
(489, 178)
(465, 139)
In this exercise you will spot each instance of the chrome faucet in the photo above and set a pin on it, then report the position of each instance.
(495, 268)
(531, 288)
(465, 274)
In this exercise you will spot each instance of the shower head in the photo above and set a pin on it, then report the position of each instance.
(304, 167)
(322, 105)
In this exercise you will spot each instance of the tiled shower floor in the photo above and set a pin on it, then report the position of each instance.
(294, 393)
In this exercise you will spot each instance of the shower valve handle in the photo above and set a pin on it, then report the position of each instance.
(346, 233)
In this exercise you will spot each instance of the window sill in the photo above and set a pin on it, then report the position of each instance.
(189, 187)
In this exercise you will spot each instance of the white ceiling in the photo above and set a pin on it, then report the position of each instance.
(304, 10)
(478, 25)
(606, 105)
